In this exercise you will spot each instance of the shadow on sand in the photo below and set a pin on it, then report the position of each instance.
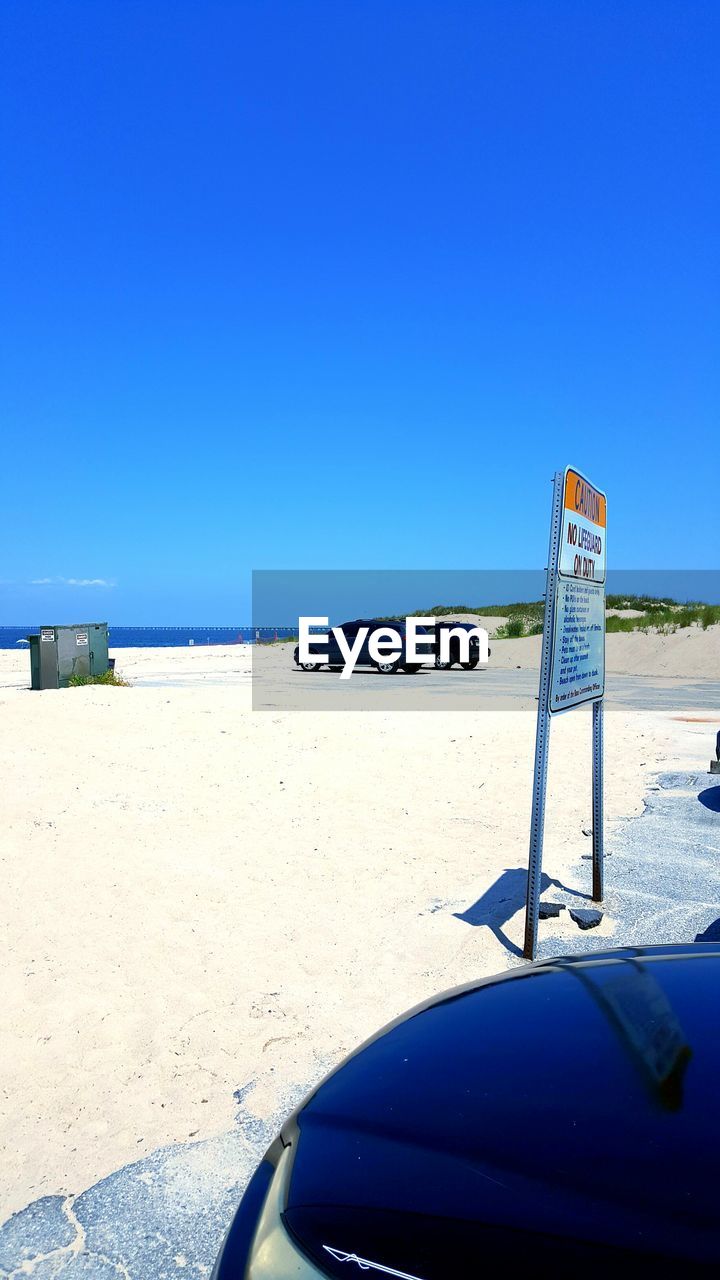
(506, 896)
(711, 799)
(711, 934)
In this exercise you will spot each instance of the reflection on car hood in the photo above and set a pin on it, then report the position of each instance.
(572, 1103)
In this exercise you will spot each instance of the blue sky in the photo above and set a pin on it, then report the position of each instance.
(313, 285)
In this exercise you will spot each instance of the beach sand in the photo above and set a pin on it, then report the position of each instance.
(199, 900)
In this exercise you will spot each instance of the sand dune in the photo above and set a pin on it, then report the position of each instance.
(690, 653)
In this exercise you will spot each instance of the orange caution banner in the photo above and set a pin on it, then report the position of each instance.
(581, 498)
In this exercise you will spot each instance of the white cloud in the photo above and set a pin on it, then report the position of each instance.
(72, 582)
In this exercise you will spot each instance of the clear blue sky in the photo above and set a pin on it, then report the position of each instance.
(341, 284)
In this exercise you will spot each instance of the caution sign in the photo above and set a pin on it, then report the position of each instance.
(47, 634)
(81, 637)
(577, 671)
(584, 526)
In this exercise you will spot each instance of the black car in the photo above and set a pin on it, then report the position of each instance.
(473, 658)
(561, 1119)
(336, 660)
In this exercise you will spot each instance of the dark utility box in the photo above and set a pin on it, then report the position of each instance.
(57, 653)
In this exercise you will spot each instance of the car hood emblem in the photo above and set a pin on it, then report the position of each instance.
(365, 1265)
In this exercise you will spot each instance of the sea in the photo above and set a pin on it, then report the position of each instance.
(164, 637)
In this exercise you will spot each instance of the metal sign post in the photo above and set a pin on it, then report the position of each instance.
(542, 734)
(572, 663)
(597, 807)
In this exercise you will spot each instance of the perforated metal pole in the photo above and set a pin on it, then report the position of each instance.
(542, 736)
(597, 803)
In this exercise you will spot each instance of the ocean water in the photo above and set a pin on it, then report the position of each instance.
(161, 637)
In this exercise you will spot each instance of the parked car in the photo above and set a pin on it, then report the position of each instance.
(336, 659)
(474, 653)
(562, 1118)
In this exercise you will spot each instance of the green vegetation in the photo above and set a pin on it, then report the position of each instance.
(663, 615)
(107, 677)
(643, 603)
(533, 609)
(525, 618)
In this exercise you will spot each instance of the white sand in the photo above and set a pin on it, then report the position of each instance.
(196, 897)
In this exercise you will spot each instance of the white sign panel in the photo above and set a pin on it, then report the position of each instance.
(584, 526)
(47, 634)
(578, 657)
(81, 637)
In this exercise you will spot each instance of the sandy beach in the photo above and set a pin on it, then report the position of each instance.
(200, 900)
(690, 652)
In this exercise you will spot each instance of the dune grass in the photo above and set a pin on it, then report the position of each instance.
(525, 618)
(105, 677)
(667, 617)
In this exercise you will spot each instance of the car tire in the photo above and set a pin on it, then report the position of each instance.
(442, 666)
(387, 668)
(309, 666)
(471, 665)
(412, 668)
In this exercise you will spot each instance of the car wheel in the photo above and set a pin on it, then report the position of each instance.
(442, 666)
(387, 668)
(412, 668)
(309, 666)
(471, 665)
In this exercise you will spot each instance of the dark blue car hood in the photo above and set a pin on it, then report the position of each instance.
(567, 1113)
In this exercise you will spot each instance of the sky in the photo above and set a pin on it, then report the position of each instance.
(303, 285)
